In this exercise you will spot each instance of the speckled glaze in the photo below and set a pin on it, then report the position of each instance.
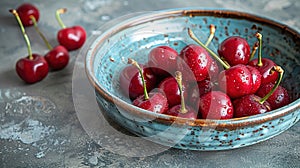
(133, 37)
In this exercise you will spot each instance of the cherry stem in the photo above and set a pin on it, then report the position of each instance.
(254, 49)
(280, 71)
(192, 35)
(259, 37)
(212, 29)
(57, 15)
(14, 12)
(40, 33)
(178, 77)
(134, 63)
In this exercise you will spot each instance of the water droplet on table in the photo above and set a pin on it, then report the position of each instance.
(105, 17)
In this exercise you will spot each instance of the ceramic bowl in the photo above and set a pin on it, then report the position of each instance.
(134, 36)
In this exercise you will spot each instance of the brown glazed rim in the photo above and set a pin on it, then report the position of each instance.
(229, 124)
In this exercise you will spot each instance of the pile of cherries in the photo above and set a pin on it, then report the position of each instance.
(197, 83)
(34, 67)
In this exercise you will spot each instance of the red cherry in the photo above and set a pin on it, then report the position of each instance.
(235, 50)
(278, 99)
(25, 11)
(236, 81)
(156, 102)
(73, 37)
(33, 69)
(250, 105)
(181, 110)
(264, 65)
(215, 105)
(58, 57)
(267, 75)
(163, 60)
(131, 82)
(170, 89)
(198, 60)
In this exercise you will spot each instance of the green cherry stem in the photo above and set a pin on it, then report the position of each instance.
(15, 13)
(192, 35)
(280, 71)
(40, 33)
(254, 49)
(178, 77)
(134, 63)
(57, 15)
(259, 37)
(212, 29)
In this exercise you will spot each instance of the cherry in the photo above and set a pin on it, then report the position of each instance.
(250, 105)
(171, 90)
(264, 65)
(235, 50)
(131, 82)
(73, 37)
(163, 60)
(181, 110)
(236, 81)
(25, 11)
(215, 105)
(197, 59)
(154, 101)
(34, 67)
(267, 75)
(57, 57)
(279, 97)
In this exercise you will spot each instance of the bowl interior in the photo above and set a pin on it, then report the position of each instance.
(134, 38)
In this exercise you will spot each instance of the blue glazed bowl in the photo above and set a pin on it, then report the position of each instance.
(134, 36)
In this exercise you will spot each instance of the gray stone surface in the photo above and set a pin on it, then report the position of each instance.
(38, 123)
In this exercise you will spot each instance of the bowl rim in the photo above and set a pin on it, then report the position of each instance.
(234, 123)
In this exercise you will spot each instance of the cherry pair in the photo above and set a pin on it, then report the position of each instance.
(34, 67)
(71, 38)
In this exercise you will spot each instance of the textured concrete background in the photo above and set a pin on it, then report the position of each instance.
(38, 123)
